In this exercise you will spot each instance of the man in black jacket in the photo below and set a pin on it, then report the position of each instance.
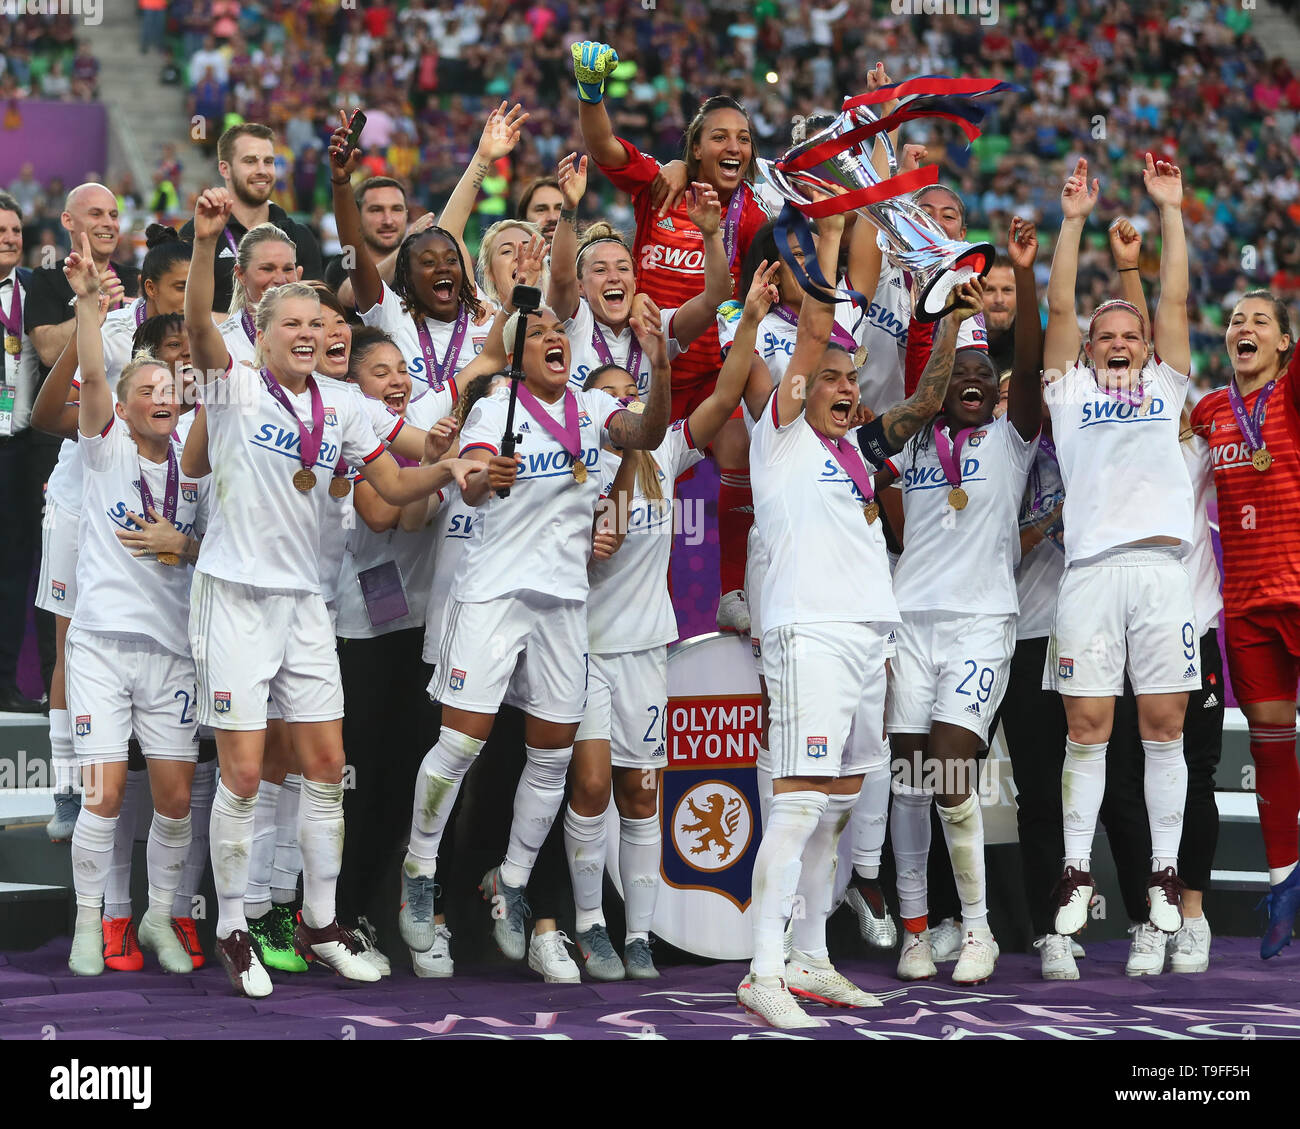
(246, 161)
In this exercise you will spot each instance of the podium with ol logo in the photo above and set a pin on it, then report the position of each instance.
(708, 799)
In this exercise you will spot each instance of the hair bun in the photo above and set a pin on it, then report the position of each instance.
(156, 234)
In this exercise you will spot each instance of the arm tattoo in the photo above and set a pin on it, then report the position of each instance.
(904, 420)
(480, 173)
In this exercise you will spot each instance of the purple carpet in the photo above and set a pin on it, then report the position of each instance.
(1239, 998)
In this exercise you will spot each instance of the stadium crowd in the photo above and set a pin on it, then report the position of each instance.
(299, 425)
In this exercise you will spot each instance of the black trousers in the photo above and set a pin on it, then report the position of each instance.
(1124, 808)
(1033, 726)
(388, 726)
(26, 460)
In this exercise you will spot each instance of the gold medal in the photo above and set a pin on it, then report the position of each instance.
(957, 498)
(304, 480)
(636, 407)
(871, 511)
(13, 346)
(579, 471)
(340, 487)
(1261, 460)
(860, 356)
(169, 558)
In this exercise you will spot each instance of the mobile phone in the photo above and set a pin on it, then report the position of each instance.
(355, 126)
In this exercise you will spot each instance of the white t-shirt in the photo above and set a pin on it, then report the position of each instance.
(884, 333)
(995, 462)
(118, 593)
(827, 563)
(539, 538)
(1202, 568)
(1125, 478)
(65, 484)
(453, 526)
(584, 358)
(774, 342)
(264, 531)
(239, 344)
(1038, 576)
(629, 608)
(361, 548)
(390, 315)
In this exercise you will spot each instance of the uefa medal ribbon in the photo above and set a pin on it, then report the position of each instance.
(567, 436)
(949, 453)
(435, 371)
(598, 342)
(850, 461)
(171, 500)
(309, 441)
(1252, 422)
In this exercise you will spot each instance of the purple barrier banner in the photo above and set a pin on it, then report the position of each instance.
(63, 139)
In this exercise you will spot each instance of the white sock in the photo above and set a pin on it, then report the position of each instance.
(230, 832)
(963, 829)
(202, 789)
(436, 784)
(117, 895)
(1279, 874)
(320, 833)
(584, 847)
(910, 831)
(537, 803)
(817, 877)
(640, 851)
(63, 759)
(870, 819)
(1083, 783)
(288, 854)
(257, 898)
(763, 776)
(92, 854)
(1164, 782)
(169, 843)
(794, 819)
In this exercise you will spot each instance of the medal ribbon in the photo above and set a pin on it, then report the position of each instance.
(435, 373)
(138, 310)
(949, 452)
(249, 328)
(851, 464)
(13, 321)
(567, 436)
(172, 493)
(1252, 423)
(307, 440)
(731, 225)
(598, 342)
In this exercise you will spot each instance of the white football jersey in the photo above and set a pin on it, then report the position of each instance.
(584, 358)
(629, 608)
(391, 316)
(884, 332)
(1038, 575)
(453, 526)
(118, 593)
(1202, 568)
(263, 531)
(827, 562)
(539, 538)
(774, 342)
(240, 343)
(1124, 473)
(962, 560)
(65, 484)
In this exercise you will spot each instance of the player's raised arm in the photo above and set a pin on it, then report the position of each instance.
(1061, 343)
(207, 348)
(646, 431)
(698, 314)
(592, 64)
(363, 274)
(1126, 249)
(1164, 183)
(1025, 401)
(562, 289)
(814, 332)
(96, 408)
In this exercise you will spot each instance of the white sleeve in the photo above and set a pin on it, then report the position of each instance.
(386, 312)
(103, 451)
(359, 444)
(578, 327)
(675, 349)
(1172, 382)
(728, 322)
(484, 428)
(677, 452)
